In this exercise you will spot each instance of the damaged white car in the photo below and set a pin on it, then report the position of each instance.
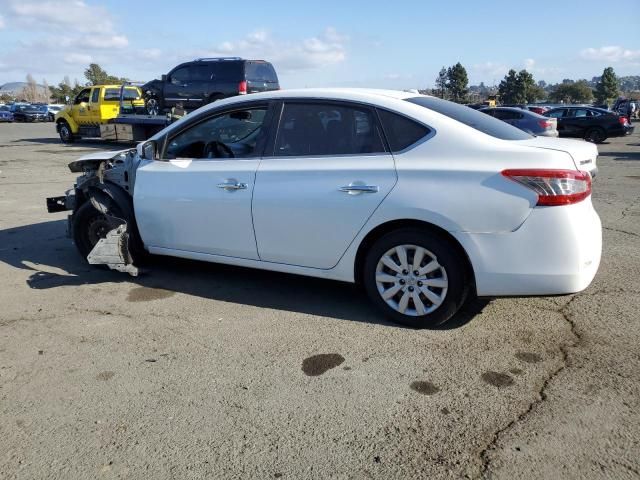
(424, 202)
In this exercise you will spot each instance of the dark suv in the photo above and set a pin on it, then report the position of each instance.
(206, 80)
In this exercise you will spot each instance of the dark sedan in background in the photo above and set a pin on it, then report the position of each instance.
(592, 124)
(30, 113)
(525, 120)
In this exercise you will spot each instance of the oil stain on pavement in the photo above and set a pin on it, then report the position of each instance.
(146, 294)
(425, 388)
(319, 364)
(528, 357)
(496, 379)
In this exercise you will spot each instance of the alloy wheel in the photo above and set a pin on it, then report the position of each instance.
(411, 281)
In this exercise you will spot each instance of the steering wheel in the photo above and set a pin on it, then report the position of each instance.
(215, 149)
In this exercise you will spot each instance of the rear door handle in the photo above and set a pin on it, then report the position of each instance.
(232, 185)
(357, 189)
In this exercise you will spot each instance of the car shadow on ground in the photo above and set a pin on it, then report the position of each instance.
(45, 250)
(98, 144)
(624, 156)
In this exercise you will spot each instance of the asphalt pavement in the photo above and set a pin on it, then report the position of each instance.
(206, 371)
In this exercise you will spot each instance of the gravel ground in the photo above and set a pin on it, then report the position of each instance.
(206, 371)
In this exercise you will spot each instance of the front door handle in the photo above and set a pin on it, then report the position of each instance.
(357, 189)
(231, 185)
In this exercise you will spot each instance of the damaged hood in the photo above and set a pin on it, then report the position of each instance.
(94, 159)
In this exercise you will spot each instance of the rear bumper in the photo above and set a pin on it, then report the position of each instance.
(555, 251)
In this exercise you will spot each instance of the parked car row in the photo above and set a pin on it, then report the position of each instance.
(590, 123)
(27, 112)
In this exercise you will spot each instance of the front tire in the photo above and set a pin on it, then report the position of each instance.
(89, 226)
(66, 135)
(152, 105)
(417, 277)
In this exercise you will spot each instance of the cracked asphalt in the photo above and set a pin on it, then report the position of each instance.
(206, 371)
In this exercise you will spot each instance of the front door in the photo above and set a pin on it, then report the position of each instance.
(93, 109)
(198, 197)
(80, 108)
(328, 174)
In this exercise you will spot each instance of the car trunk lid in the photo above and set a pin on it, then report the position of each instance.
(584, 154)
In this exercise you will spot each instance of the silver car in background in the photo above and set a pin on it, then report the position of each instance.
(525, 120)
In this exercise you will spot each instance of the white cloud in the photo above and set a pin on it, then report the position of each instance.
(323, 50)
(611, 54)
(103, 41)
(490, 69)
(1, 22)
(77, 59)
(61, 14)
(529, 64)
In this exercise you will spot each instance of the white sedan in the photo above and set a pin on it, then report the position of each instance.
(424, 202)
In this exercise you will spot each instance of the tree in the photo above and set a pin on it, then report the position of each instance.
(607, 88)
(507, 90)
(34, 93)
(441, 83)
(457, 83)
(519, 88)
(62, 91)
(96, 75)
(575, 92)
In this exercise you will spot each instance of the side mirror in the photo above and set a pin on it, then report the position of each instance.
(149, 150)
(163, 78)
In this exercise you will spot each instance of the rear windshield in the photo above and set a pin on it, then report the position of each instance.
(262, 72)
(112, 94)
(472, 118)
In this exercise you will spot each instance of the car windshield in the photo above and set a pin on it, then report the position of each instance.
(472, 118)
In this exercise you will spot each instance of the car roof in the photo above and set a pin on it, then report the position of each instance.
(366, 95)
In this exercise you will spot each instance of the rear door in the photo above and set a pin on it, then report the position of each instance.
(328, 174)
(260, 77)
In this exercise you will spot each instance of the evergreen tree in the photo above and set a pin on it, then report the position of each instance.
(607, 88)
(441, 83)
(458, 83)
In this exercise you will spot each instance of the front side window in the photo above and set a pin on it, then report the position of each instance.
(83, 96)
(180, 76)
(229, 135)
(95, 95)
(314, 129)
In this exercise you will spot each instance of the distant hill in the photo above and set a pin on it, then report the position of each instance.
(13, 89)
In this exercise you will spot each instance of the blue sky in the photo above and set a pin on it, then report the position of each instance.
(401, 44)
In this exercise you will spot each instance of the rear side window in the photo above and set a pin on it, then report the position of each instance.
(507, 115)
(316, 129)
(261, 72)
(400, 131)
(226, 71)
(113, 94)
(555, 113)
(472, 118)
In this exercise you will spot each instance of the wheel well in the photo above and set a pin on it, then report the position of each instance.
(388, 227)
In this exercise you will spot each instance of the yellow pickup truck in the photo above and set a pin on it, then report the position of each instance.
(94, 111)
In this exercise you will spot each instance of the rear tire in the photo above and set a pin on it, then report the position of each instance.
(425, 286)
(595, 135)
(66, 135)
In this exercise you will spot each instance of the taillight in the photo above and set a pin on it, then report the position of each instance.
(553, 187)
(242, 87)
(545, 123)
(622, 120)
